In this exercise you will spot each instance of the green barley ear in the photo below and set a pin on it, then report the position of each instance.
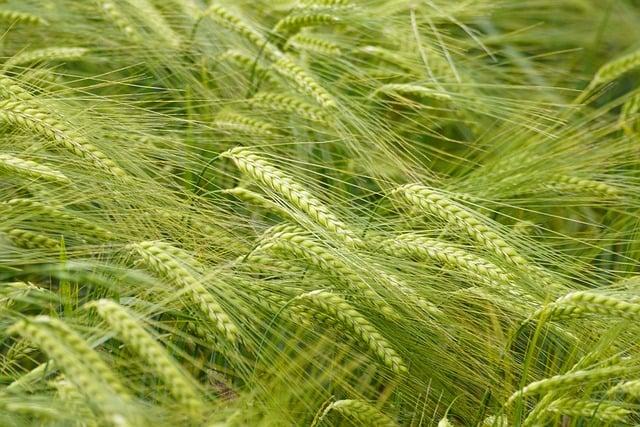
(524, 228)
(251, 65)
(150, 351)
(495, 421)
(291, 24)
(631, 388)
(603, 411)
(153, 20)
(85, 352)
(11, 88)
(359, 411)
(77, 223)
(345, 315)
(30, 240)
(630, 116)
(616, 68)
(233, 122)
(206, 310)
(29, 169)
(257, 200)
(422, 248)
(15, 17)
(288, 104)
(102, 397)
(299, 244)
(290, 70)
(413, 90)
(580, 185)
(190, 8)
(285, 186)
(314, 44)
(569, 380)
(456, 214)
(579, 303)
(32, 117)
(610, 72)
(115, 15)
(234, 23)
(325, 3)
(159, 259)
(45, 55)
(387, 56)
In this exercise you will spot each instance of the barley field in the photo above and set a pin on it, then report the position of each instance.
(319, 213)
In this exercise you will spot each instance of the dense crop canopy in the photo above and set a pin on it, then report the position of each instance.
(319, 213)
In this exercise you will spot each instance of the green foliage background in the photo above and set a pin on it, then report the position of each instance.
(319, 212)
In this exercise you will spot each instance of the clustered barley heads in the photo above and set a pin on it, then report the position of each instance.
(319, 212)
